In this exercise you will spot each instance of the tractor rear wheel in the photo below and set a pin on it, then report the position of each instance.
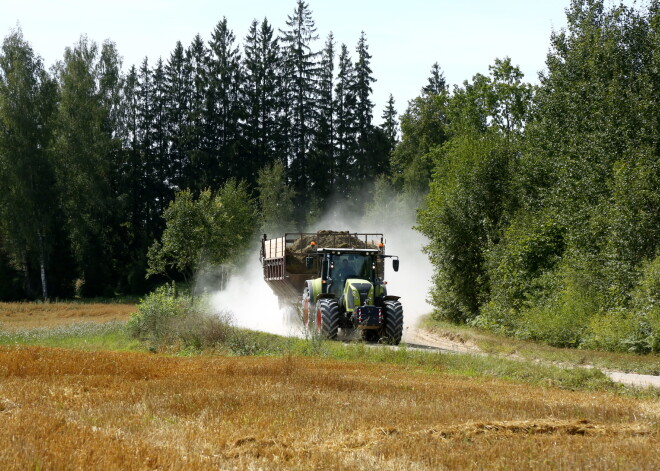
(308, 310)
(392, 322)
(327, 314)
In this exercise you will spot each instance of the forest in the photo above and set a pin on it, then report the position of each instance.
(541, 203)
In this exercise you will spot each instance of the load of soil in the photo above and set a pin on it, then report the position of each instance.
(296, 253)
(333, 239)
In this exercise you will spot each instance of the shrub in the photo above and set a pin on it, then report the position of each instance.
(636, 328)
(562, 319)
(164, 318)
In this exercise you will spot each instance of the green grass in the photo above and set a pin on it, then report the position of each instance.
(114, 336)
(81, 335)
(501, 345)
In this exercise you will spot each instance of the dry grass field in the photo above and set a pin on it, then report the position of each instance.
(68, 409)
(30, 315)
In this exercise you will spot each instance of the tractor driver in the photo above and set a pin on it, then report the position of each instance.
(343, 271)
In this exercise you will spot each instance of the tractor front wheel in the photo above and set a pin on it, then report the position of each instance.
(327, 313)
(392, 322)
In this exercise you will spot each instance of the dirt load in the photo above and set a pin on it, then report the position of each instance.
(302, 246)
(332, 239)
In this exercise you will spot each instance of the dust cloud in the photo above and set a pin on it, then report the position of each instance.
(252, 304)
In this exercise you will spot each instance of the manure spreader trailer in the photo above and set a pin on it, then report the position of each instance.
(337, 278)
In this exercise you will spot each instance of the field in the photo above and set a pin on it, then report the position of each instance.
(32, 315)
(74, 409)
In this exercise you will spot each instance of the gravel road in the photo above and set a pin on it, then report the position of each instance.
(415, 337)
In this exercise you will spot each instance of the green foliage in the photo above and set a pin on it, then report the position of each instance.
(212, 229)
(27, 196)
(275, 200)
(561, 320)
(545, 204)
(462, 217)
(423, 127)
(636, 329)
(165, 318)
(529, 248)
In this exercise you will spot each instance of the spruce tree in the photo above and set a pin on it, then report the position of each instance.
(196, 144)
(224, 107)
(302, 77)
(261, 66)
(162, 172)
(364, 106)
(390, 124)
(178, 87)
(436, 83)
(322, 155)
(345, 128)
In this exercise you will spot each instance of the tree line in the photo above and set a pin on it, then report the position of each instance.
(92, 156)
(542, 204)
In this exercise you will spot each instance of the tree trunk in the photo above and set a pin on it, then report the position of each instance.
(26, 275)
(42, 264)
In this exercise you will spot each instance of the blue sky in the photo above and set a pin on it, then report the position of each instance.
(405, 37)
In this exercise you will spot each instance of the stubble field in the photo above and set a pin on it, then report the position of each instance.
(68, 409)
(15, 316)
(74, 409)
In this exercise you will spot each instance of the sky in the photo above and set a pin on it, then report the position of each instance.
(405, 37)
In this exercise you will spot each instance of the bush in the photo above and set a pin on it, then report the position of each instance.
(164, 318)
(562, 319)
(636, 329)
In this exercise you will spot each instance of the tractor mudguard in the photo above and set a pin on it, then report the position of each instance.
(315, 289)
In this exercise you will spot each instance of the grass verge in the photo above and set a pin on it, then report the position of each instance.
(80, 335)
(507, 346)
(114, 336)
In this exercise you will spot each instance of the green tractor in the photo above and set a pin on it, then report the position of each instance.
(341, 278)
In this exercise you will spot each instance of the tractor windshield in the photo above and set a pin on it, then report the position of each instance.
(350, 265)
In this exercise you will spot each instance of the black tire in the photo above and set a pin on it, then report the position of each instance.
(328, 313)
(392, 322)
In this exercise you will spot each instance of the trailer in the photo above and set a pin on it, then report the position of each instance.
(337, 279)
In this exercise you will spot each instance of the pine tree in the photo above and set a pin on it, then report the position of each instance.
(322, 158)
(261, 66)
(302, 78)
(390, 124)
(224, 107)
(345, 128)
(364, 106)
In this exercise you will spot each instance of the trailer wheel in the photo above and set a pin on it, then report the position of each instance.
(308, 309)
(327, 313)
(393, 322)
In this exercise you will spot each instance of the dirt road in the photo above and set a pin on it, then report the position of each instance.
(416, 337)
